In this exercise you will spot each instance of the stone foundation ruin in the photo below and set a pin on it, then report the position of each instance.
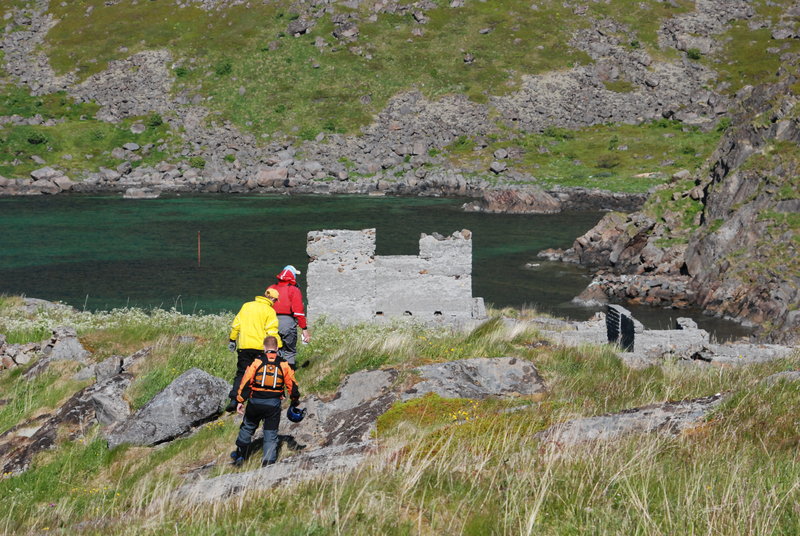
(348, 283)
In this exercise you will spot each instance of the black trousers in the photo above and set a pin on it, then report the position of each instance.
(257, 410)
(245, 359)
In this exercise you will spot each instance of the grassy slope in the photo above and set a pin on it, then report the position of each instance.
(451, 466)
(623, 158)
(77, 143)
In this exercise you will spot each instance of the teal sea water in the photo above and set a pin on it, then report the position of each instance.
(104, 252)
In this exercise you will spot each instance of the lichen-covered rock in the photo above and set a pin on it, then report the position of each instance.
(478, 378)
(110, 406)
(670, 417)
(191, 399)
(295, 469)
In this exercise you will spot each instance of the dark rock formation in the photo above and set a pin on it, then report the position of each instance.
(515, 201)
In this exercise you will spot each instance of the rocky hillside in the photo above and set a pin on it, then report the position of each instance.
(726, 238)
(111, 423)
(420, 97)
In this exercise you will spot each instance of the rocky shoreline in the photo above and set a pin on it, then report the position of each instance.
(166, 178)
(733, 252)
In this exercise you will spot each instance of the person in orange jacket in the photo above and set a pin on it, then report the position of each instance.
(268, 378)
(256, 320)
(291, 314)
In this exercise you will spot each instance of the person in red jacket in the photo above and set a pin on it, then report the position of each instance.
(291, 314)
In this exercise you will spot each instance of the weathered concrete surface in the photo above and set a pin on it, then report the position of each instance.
(341, 275)
(652, 346)
(669, 418)
(478, 378)
(194, 397)
(348, 283)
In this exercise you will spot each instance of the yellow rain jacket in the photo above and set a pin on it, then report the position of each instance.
(255, 321)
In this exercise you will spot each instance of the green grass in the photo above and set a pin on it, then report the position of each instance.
(78, 143)
(744, 58)
(25, 398)
(285, 91)
(592, 157)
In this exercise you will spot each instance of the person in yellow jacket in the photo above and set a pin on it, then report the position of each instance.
(255, 321)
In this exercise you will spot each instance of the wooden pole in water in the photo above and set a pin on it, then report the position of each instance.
(198, 248)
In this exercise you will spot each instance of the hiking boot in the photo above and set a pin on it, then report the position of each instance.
(237, 458)
(264, 464)
(231, 405)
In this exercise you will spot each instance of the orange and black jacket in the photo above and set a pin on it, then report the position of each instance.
(269, 377)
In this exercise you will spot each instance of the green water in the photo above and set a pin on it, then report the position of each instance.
(105, 252)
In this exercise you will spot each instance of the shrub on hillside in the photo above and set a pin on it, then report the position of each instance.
(197, 162)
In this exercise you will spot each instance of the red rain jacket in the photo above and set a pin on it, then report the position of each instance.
(291, 298)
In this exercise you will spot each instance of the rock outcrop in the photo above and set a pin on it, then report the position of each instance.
(337, 434)
(191, 399)
(670, 418)
(738, 256)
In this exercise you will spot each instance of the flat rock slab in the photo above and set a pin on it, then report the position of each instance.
(478, 378)
(295, 469)
(671, 417)
(191, 399)
(785, 376)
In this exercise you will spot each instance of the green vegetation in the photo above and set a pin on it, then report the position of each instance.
(316, 89)
(745, 58)
(624, 158)
(452, 466)
(620, 86)
(76, 142)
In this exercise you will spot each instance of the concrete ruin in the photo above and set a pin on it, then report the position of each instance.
(348, 283)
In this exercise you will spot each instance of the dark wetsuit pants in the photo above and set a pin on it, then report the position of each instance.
(258, 409)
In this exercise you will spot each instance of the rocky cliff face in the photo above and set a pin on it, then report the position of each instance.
(726, 240)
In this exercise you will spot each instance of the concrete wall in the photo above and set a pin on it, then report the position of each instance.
(348, 283)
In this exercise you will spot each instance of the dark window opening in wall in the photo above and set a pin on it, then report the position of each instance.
(437, 313)
(407, 313)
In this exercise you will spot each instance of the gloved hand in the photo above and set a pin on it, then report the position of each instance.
(294, 402)
(232, 346)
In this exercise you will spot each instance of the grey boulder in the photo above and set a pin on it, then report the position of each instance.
(191, 399)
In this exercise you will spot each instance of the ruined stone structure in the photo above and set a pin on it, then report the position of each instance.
(348, 283)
